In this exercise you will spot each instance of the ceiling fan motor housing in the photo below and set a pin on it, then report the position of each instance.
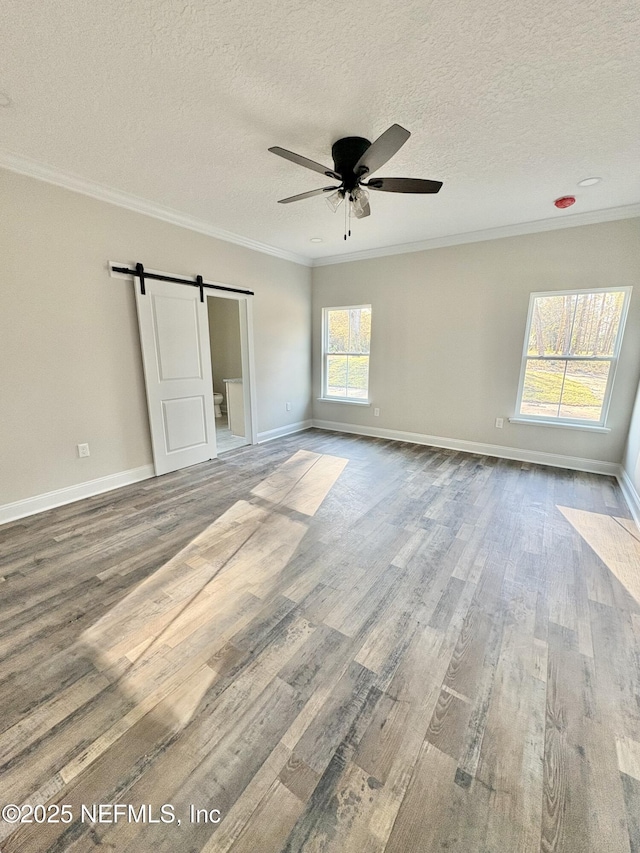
(356, 158)
(346, 152)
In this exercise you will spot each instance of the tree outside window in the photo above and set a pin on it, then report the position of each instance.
(571, 350)
(346, 349)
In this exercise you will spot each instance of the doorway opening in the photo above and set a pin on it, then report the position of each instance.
(231, 399)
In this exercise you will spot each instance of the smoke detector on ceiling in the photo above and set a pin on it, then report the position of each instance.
(565, 201)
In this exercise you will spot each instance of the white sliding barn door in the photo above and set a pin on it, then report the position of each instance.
(174, 334)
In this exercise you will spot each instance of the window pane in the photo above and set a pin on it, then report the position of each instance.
(337, 375)
(552, 325)
(348, 339)
(584, 388)
(542, 387)
(596, 324)
(571, 329)
(359, 329)
(338, 328)
(358, 376)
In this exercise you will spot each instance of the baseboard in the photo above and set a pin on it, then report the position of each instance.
(574, 463)
(60, 497)
(49, 500)
(630, 494)
(279, 432)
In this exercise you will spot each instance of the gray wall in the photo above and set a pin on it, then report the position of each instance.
(224, 337)
(448, 328)
(70, 364)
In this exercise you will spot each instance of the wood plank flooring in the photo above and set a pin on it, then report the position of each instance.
(340, 644)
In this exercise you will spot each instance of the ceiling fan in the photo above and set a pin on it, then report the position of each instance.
(354, 159)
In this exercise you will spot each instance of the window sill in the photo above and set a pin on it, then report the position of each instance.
(348, 402)
(581, 427)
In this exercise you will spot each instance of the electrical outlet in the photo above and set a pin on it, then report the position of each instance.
(376, 413)
(83, 450)
(288, 405)
(499, 423)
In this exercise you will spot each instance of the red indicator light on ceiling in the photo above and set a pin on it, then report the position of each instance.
(565, 201)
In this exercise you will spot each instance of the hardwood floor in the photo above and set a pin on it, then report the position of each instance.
(341, 644)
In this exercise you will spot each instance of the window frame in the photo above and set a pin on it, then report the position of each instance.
(613, 360)
(357, 401)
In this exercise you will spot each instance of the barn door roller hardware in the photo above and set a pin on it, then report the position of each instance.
(141, 273)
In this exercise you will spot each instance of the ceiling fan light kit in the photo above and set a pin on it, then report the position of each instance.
(355, 158)
(335, 200)
(359, 199)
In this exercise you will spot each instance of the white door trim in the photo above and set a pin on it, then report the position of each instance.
(245, 312)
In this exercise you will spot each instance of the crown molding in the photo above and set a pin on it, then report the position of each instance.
(592, 217)
(42, 172)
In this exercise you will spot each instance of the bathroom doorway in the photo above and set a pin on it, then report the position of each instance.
(229, 364)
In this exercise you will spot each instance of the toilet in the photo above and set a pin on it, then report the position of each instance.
(217, 400)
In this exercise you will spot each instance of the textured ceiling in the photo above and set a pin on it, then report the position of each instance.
(509, 102)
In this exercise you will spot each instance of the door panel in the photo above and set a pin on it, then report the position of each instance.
(177, 339)
(184, 423)
(177, 366)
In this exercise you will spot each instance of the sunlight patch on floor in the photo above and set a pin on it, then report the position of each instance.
(302, 482)
(615, 540)
(158, 643)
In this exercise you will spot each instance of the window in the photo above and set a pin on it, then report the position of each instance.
(346, 339)
(570, 353)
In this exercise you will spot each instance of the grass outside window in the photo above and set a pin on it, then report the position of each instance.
(571, 348)
(346, 350)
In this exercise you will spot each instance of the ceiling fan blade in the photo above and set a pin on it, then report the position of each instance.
(306, 195)
(366, 211)
(403, 185)
(382, 149)
(304, 161)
